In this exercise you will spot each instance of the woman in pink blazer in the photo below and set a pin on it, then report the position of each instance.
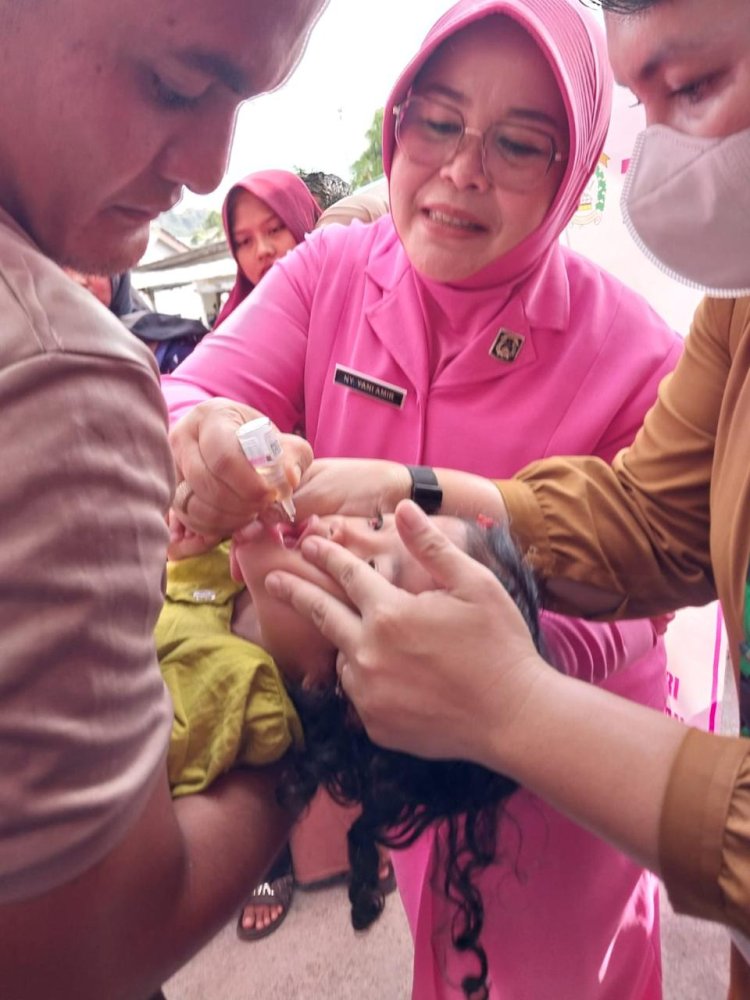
(457, 332)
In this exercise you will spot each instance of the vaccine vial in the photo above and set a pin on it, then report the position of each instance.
(261, 444)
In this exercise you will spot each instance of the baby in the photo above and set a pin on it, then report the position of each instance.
(229, 655)
(400, 795)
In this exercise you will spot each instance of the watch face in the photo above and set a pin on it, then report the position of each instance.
(425, 491)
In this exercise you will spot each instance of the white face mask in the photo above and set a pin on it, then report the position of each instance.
(686, 202)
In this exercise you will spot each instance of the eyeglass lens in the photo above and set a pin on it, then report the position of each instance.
(515, 156)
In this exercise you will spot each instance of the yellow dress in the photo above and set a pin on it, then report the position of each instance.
(230, 704)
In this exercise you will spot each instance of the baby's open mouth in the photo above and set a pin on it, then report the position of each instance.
(290, 535)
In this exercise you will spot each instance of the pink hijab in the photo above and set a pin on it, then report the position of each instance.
(286, 194)
(574, 46)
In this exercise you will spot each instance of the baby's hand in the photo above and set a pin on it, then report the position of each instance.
(184, 543)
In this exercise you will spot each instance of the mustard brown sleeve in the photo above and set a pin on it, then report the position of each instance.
(637, 530)
(704, 842)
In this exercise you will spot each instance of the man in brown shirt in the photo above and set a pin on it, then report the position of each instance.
(108, 108)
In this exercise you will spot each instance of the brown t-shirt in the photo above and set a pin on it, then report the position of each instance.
(86, 479)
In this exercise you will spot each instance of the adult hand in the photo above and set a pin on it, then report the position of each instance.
(222, 491)
(454, 673)
(351, 486)
(444, 673)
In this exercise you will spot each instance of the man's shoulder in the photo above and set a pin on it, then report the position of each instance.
(368, 204)
(42, 311)
(724, 321)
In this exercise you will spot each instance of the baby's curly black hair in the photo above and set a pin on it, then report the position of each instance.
(402, 795)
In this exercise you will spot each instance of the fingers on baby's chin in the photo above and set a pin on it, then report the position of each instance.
(248, 532)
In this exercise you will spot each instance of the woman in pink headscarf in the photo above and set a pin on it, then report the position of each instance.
(265, 214)
(458, 333)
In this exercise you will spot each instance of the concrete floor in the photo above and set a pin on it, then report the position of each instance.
(316, 954)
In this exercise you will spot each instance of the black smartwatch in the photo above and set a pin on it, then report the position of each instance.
(425, 489)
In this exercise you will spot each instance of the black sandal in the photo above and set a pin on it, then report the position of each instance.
(277, 892)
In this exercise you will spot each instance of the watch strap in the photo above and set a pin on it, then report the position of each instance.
(425, 489)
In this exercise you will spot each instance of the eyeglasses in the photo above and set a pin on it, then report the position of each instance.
(515, 157)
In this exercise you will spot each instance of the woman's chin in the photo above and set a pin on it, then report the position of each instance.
(445, 268)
